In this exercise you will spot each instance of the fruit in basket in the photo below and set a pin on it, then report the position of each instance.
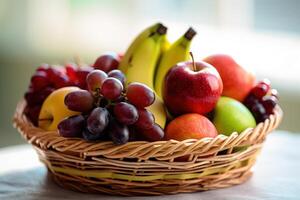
(98, 120)
(142, 65)
(109, 111)
(237, 82)
(54, 109)
(80, 101)
(118, 74)
(139, 64)
(191, 87)
(125, 113)
(95, 79)
(107, 62)
(177, 52)
(111, 88)
(140, 38)
(231, 116)
(262, 100)
(190, 126)
(72, 126)
(140, 95)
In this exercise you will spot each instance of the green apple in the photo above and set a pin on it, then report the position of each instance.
(54, 109)
(232, 116)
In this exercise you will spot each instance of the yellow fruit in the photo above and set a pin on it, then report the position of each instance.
(54, 109)
(158, 111)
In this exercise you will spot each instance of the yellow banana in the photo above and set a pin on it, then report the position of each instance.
(178, 52)
(142, 64)
(135, 43)
(141, 68)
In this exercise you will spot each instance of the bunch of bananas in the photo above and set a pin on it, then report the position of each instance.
(148, 59)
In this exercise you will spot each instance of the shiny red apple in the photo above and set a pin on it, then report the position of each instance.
(192, 87)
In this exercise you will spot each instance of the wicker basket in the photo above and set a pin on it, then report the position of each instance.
(147, 168)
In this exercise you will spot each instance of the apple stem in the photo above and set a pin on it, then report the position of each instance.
(194, 66)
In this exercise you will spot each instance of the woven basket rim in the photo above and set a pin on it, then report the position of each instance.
(50, 139)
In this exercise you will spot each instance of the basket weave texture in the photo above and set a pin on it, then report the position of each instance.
(147, 168)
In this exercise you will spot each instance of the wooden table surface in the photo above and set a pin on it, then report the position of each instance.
(276, 176)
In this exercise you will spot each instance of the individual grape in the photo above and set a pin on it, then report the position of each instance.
(32, 112)
(72, 126)
(250, 100)
(260, 90)
(269, 103)
(140, 95)
(118, 132)
(111, 88)
(145, 120)
(118, 75)
(40, 80)
(155, 133)
(259, 112)
(107, 62)
(95, 79)
(81, 74)
(81, 101)
(98, 120)
(125, 113)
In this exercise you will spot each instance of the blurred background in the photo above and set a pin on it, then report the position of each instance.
(263, 36)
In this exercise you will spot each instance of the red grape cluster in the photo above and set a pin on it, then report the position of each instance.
(262, 100)
(110, 111)
(46, 79)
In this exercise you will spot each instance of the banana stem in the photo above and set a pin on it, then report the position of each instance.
(190, 33)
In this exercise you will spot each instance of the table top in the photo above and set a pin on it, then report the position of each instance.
(276, 176)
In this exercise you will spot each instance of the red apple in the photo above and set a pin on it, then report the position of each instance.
(237, 81)
(190, 126)
(191, 87)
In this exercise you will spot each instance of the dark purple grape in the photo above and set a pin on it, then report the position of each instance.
(250, 100)
(39, 81)
(259, 112)
(72, 126)
(140, 95)
(107, 62)
(111, 88)
(118, 74)
(145, 120)
(98, 120)
(269, 103)
(155, 133)
(95, 79)
(125, 113)
(118, 133)
(81, 101)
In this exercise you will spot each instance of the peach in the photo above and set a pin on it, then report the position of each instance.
(237, 82)
(190, 126)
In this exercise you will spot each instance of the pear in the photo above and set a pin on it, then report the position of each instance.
(232, 116)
